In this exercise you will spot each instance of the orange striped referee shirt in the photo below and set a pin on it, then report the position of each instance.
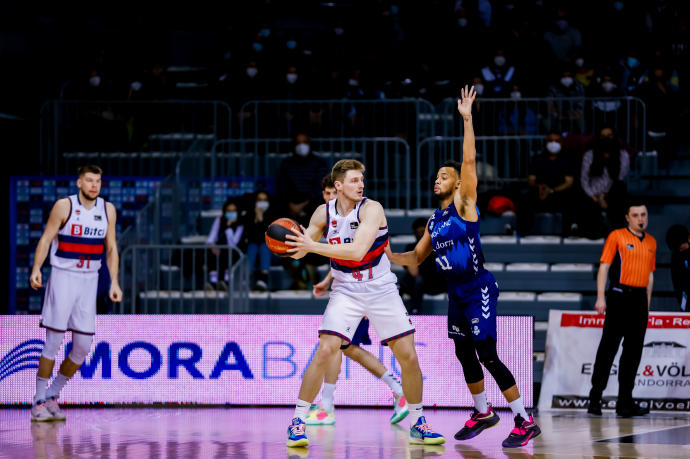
(631, 258)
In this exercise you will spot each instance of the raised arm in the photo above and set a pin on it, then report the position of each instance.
(371, 217)
(413, 257)
(58, 216)
(466, 201)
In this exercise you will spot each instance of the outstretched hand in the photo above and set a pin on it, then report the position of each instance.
(465, 102)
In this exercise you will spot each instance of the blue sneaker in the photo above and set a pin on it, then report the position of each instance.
(421, 434)
(297, 433)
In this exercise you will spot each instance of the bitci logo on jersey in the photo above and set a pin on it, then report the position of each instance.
(77, 230)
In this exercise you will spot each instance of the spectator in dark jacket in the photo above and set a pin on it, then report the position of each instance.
(260, 214)
(300, 175)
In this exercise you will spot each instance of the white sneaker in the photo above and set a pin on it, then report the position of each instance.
(40, 413)
(400, 409)
(54, 409)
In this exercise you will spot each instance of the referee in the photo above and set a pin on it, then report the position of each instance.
(628, 260)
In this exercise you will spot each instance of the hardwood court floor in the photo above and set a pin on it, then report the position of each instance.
(359, 433)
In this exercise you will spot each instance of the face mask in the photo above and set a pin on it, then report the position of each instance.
(291, 44)
(499, 60)
(257, 47)
(479, 89)
(262, 205)
(567, 81)
(291, 78)
(95, 81)
(562, 24)
(252, 71)
(462, 22)
(339, 31)
(515, 95)
(553, 147)
(302, 149)
(229, 216)
(136, 85)
(608, 86)
(579, 62)
(633, 62)
(618, 6)
(353, 82)
(265, 32)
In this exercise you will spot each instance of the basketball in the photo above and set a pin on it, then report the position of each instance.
(275, 235)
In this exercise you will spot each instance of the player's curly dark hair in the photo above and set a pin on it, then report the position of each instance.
(454, 164)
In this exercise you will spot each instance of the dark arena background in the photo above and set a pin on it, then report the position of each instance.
(210, 120)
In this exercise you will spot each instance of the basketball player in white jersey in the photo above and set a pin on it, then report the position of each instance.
(363, 285)
(80, 232)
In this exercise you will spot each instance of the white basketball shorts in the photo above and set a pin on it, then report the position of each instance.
(378, 299)
(70, 301)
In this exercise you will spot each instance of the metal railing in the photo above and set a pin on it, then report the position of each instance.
(539, 116)
(127, 134)
(176, 279)
(411, 119)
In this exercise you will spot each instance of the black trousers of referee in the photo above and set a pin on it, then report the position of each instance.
(626, 319)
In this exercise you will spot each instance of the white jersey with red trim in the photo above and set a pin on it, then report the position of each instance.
(80, 243)
(341, 229)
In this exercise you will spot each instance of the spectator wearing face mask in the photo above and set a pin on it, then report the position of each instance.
(550, 186)
(567, 114)
(516, 117)
(498, 76)
(602, 178)
(301, 173)
(260, 214)
(291, 86)
(227, 230)
(562, 39)
(678, 240)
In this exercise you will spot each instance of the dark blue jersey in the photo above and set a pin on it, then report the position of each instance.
(457, 246)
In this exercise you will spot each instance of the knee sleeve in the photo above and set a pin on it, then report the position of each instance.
(81, 345)
(53, 343)
(486, 350)
(465, 353)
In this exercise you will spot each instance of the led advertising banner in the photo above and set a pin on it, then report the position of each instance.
(241, 360)
(572, 340)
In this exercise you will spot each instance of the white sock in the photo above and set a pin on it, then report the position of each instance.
(327, 396)
(415, 412)
(393, 383)
(41, 386)
(518, 408)
(480, 403)
(301, 409)
(57, 385)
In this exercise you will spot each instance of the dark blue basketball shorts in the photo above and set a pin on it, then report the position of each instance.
(472, 313)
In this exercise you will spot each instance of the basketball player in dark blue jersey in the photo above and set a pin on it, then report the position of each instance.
(452, 233)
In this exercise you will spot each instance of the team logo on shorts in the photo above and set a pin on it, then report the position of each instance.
(475, 330)
(354, 225)
(475, 320)
(77, 230)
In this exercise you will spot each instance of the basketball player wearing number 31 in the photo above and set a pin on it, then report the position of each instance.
(79, 233)
(453, 233)
(363, 285)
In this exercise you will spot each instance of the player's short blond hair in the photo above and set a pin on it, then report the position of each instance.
(341, 167)
(90, 168)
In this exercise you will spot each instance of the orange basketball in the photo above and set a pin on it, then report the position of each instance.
(275, 235)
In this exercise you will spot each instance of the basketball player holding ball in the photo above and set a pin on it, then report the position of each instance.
(363, 285)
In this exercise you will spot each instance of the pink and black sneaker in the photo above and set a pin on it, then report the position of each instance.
(523, 432)
(477, 423)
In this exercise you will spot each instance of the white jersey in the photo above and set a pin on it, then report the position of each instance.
(341, 229)
(80, 243)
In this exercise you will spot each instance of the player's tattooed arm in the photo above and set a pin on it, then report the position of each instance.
(414, 257)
